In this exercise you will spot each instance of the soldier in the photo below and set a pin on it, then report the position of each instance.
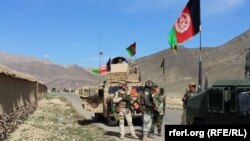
(189, 93)
(247, 65)
(120, 61)
(148, 106)
(158, 113)
(123, 102)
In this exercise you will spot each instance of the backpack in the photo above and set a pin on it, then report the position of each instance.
(146, 102)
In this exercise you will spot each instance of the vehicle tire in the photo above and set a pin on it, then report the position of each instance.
(111, 121)
(98, 116)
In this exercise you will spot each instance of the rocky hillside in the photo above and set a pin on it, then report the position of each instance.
(52, 75)
(222, 62)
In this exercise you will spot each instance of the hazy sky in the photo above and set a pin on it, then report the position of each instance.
(68, 31)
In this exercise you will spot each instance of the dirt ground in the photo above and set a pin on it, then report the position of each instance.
(174, 102)
(56, 120)
(172, 117)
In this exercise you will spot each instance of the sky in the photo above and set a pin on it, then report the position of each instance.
(73, 31)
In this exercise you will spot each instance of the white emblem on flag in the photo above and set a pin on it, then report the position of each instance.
(183, 23)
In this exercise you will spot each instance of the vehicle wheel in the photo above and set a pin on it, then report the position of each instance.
(111, 121)
(98, 116)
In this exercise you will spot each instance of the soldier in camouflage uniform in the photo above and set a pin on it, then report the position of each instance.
(247, 65)
(148, 106)
(158, 113)
(123, 102)
(189, 93)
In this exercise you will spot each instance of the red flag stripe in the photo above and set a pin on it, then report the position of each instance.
(184, 26)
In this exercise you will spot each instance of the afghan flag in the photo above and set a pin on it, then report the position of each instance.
(96, 70)
(101, 70)
(187, 25)
(131, 49)
(108, 65)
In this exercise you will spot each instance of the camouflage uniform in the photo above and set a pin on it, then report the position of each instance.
(185, 98)
(247, 66)
(148, 106)
(122, 100)
(158, 113)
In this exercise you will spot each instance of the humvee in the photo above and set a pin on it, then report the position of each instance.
(98, 99)
(226, 102)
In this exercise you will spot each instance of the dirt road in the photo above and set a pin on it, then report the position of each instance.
(172, 117)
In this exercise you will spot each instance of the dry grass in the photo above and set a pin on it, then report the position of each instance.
(56, 120)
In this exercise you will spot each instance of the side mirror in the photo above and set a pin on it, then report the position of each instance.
(100, 92)
(162, 91)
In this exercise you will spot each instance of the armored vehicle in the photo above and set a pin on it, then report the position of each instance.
(98, 99)
(226, 102)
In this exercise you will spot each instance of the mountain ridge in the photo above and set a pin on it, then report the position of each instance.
(222, 62)
(51, 74)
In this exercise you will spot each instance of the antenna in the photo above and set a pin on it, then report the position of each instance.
(100, 51)
(100, 56)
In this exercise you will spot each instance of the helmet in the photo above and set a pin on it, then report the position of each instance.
(150, 84)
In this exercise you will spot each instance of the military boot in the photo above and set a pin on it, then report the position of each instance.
(151, 134)
(159, 133)
(134, 136)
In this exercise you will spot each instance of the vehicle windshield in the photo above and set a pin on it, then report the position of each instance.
(113, 89)
(244, 102)
(216, 102)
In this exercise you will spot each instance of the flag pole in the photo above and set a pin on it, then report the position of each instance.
(100, 55)
(99, 50)
(164, 83)
(200, 68)
(164, 73)
(135, 51)
(200, 59)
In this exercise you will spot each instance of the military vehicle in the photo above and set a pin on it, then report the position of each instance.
(98, 99)
(226, 102)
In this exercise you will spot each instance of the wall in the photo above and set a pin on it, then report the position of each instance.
(18, 99)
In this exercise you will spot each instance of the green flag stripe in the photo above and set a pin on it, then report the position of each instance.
(96, 71)
(172, 39)
(132, 49)
(130, 52)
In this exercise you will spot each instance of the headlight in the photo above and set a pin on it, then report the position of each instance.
(94, 104)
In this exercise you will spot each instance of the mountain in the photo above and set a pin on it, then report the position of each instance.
(51, 74)
(222, 62)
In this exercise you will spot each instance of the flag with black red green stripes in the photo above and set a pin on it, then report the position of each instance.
(187, 25)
